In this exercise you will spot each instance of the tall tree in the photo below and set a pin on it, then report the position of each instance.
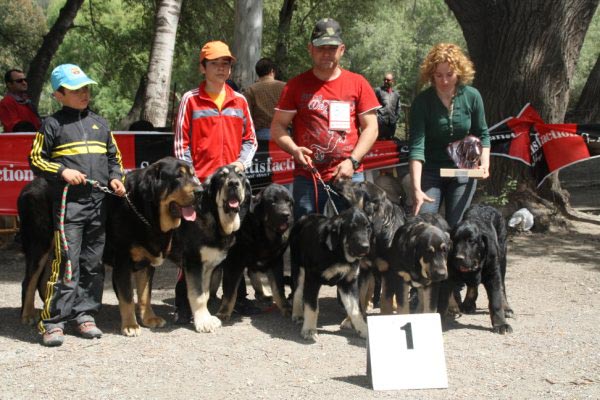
(22, 27)
(247, 40)
(156, 102)
(281, 48)
(520, 61)
(40, 63)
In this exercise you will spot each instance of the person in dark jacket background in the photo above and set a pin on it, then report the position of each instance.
(391, 109)
(73, 146)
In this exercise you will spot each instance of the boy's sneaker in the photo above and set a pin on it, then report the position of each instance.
(89, 330)
(53, 337)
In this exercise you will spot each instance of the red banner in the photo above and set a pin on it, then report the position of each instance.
(270, 164)
(544, 147)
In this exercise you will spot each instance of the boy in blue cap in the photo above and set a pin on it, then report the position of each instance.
(73, 146)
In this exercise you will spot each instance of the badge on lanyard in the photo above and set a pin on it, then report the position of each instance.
(339, 115)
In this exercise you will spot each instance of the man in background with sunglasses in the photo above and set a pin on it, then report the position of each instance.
(17, 113)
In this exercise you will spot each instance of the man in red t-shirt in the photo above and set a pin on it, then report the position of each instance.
(333, 117)
(17, 113)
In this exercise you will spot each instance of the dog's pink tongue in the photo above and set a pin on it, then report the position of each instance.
(234, 203)
(188, 213)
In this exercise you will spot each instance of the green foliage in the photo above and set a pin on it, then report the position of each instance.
(112, 39)
(111, 42)
(397, 37)
(22, 27)
(501, 200)
(590, 51)
(380, 35)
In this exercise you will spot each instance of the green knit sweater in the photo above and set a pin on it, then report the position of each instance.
(432, 129)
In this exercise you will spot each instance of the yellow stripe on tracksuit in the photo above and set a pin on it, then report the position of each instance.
(81, 143)
(85, 149)
(54, 274)
(36, 158)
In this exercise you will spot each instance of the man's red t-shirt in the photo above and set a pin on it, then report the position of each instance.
(309, 98)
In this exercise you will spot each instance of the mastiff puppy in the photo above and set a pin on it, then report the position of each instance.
(328, 251)
(260, 244)
(479, 256)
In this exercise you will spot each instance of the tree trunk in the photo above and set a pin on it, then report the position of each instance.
(156, 101)
(281, 49)
(587, 109)
(247, 40)
(520, 60)
(40, 63)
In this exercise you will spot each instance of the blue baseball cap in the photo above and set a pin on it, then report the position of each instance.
(69, 76)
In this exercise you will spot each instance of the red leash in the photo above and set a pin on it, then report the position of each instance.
(316, 176)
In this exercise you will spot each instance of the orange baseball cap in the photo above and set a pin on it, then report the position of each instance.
(214, 50)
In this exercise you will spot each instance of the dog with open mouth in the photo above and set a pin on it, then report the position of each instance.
(204, 243)
(139, 235)
(327, 251)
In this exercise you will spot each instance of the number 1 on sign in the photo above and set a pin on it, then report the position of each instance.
(407, 328)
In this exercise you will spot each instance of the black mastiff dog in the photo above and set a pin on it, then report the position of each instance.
(417, 258)
(35, 214)
(328, 251)
(479, 256)
(204, 243)
(260, 244)
(139, 234)
(386, 218)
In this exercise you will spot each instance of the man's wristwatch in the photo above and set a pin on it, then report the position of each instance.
(355, 163)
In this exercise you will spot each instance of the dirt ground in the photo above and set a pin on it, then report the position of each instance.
(553, 284)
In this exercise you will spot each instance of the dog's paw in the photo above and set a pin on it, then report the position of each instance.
(286, 310)
(346, 324)
(502, 329)
(468, 307)
(298, 319)
(364, 333)
(131, 330)
(207, 324)
(263, 298)
(454, 310)
(310, 334)
(154, 322)
(223, 316)
(28, 320)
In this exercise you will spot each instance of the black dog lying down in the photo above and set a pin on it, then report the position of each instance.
(260, 244)
(479, 256)
(328, 251)
(204, 243)
(417, 258)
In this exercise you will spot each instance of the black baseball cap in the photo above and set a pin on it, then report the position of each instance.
(326, 33)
